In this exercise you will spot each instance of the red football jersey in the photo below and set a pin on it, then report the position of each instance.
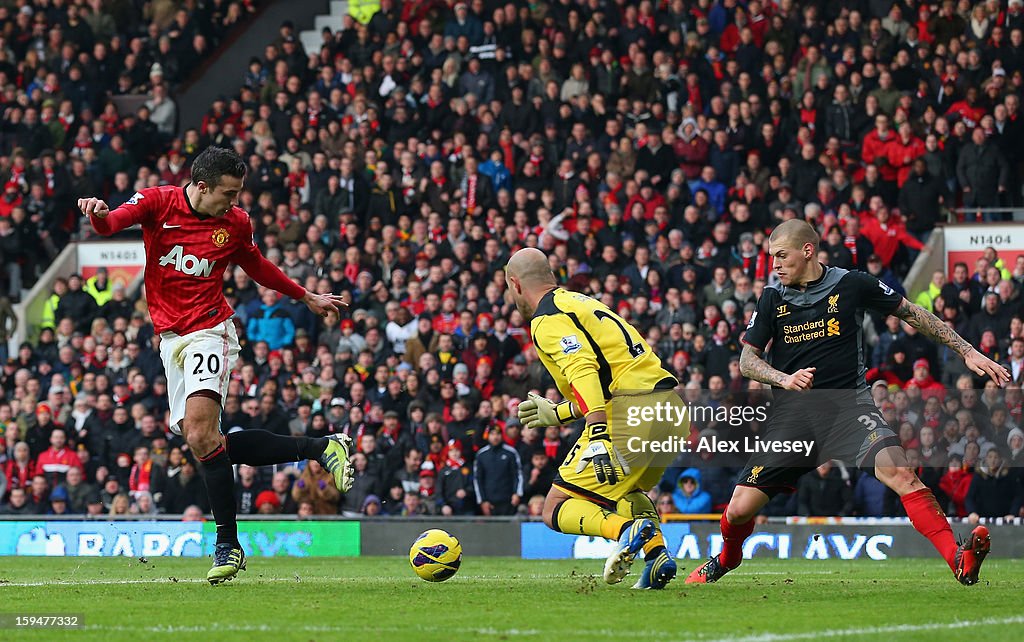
(186, 255)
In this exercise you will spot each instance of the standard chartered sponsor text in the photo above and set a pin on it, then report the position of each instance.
(803, 331)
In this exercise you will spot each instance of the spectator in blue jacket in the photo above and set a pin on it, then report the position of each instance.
(495, 168)
(271, 324)
(688, 496)
(716, 191)
(498, 476)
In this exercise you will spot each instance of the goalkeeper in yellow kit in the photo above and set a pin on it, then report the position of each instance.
(593, 355)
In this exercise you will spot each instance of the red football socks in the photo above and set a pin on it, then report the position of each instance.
(732, 541)
(927, 517)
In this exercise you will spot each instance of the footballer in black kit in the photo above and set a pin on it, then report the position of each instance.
(810, 326)
(819, 325)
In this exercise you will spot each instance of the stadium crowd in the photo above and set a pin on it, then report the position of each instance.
(647, 148)
(61, 65)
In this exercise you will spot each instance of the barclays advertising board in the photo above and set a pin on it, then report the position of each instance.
(176, 539)
(699, 541)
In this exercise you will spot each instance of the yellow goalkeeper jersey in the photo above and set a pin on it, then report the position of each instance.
(592, 352)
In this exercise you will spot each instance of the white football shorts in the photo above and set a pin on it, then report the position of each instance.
(201, 360)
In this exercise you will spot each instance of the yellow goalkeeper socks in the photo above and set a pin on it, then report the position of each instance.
(638, 505)
(654, 546)
(580, 517)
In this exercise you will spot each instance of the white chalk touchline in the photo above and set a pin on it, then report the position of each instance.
(248, 580)
(763, 637)
(315, 578)
(312, 628)
(868, 630)
(156, 580)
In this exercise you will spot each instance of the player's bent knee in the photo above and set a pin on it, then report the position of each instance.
(201, 426)
(552, 503)
(746, 502)
(550, 509)
(737, 516)
(202, 436)
(198, 428)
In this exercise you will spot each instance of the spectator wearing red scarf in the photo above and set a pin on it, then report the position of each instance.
(693, 93)
(145, 475)
(297, 181)
(484, 378)
(435, 454)
(553, 444)
(808, 114)
(20, 468)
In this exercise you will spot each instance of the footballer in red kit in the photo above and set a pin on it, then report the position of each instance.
(186, 255)
(191, 235)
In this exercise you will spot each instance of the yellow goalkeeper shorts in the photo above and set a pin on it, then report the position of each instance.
(631, 436)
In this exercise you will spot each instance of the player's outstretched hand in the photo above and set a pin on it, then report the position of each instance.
(537, 412)
(94, 206)
(985, 367)
(322, 304)
(800, 380)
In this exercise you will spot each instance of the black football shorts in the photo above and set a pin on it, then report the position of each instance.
(849, 428)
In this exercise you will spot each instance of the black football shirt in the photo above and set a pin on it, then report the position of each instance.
(820, 326)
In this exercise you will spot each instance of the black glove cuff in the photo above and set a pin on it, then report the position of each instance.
(596, 431)
(564, 413)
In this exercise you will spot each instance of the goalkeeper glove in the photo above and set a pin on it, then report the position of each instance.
(603, 455)
(538, 412)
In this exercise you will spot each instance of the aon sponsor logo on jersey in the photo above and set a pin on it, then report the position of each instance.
(187, 263)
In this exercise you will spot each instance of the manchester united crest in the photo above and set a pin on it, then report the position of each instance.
(220, 237)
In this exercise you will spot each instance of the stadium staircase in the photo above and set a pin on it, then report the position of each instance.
(312, 39)
(224, 74)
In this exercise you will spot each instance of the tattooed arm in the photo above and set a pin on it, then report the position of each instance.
(932, 327)
(753, 366)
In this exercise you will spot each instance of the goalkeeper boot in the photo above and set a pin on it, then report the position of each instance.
(228, 559)
(970, 554)
(657, 572)
(630, 542)
(336, 460)
(711, 571)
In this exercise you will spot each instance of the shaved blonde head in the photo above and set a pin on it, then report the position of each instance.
(794, 249)
(529, 277)
(530, 267)
(794, 233)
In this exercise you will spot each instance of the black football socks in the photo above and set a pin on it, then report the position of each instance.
(220, 487)
(264, 448)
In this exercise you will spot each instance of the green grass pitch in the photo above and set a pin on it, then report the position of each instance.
(509, 599)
